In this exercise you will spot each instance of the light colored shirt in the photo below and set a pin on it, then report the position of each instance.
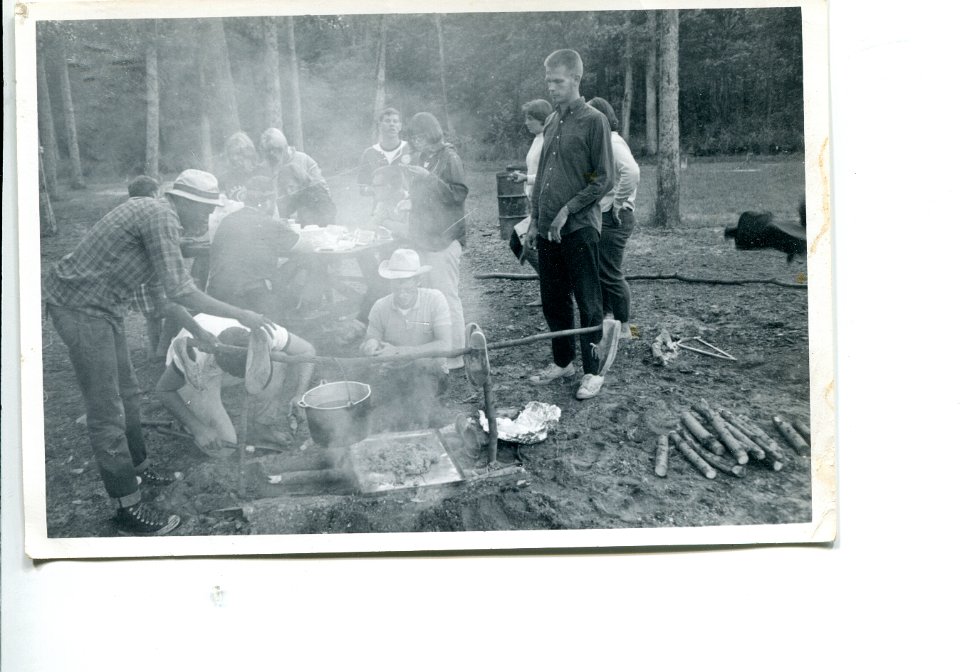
(414, 326)
(533, 158)
(204, 365)
(626, 177)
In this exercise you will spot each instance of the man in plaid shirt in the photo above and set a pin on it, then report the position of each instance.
(87, 294)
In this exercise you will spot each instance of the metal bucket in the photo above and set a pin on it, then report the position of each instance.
(513, 204)
(337, 413)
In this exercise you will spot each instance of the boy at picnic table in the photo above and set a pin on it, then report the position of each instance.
(246, 251)
(411, 320)
(86, 295)
(190, 387)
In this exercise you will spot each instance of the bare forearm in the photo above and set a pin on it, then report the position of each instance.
(174, 403)
(204, 303)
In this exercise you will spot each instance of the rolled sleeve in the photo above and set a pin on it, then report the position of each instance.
(161, 239)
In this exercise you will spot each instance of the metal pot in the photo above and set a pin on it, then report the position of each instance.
(337, 413)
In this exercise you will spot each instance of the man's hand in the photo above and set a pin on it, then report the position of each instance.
(206, 438)
(387, 350)
(616, 215)
(553, 234)
(517, 176)
(370, 347)
(254, 321)
(208, 342)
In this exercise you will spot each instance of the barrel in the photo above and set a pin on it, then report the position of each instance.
(513, 204)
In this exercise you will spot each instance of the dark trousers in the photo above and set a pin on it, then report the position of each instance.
(98, 351)
(613, 240)
(570, 270)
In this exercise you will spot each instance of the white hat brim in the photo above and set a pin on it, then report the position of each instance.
(388, 274)
(194, 197)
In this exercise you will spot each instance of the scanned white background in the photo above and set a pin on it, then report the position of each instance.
(884, 594)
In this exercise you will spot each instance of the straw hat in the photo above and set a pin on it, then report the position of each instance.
(197, 185)
(402, 264)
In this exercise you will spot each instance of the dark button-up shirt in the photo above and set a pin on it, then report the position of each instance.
(136, 243)
(575, 169)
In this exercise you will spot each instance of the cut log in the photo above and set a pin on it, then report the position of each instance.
(721, 429)
(663, 451)
(693, 457)
(753, 449)
(792, 436)
(758, 435)
(700, 434)
(717, 463)
(803, 429)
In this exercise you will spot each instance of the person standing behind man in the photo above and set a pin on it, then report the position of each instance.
(535, 118)
(574, 173)
(389, 149)
(301, 188)
(438, 228)
(618, 221)
(86, 294)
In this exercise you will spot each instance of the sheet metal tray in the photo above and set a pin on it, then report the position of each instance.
(399, 460)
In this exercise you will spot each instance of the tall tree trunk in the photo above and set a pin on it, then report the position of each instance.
(380, 98)
(48, 133)
(218, 44)
(668, 156)
(70, 121)
(294, 119)
(627, 84)
(206, 95)
(274, 106)
(151, 81)
(650, 83)
(443, 74)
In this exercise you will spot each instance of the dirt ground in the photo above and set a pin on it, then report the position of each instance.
(596, 470)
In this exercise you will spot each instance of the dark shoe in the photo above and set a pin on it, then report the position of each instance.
(139, 519)
(151, 476)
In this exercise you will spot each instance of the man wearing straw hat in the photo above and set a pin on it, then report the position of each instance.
(86, 295)
(411, 320)
(190, 386)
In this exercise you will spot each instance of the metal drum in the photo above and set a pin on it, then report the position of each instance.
(512, 203)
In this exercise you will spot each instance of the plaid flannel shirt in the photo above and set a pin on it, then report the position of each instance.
(137, 243)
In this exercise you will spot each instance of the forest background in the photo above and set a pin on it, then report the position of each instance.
(123, 97)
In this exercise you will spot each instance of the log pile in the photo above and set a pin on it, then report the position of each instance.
(715, 440)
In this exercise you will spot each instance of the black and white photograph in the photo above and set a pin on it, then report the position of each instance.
(372, 278)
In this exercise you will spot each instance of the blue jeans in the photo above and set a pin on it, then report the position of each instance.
(98, 351)
(613, 240)
(570, 270)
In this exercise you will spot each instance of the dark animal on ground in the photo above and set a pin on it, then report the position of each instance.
(759, 230)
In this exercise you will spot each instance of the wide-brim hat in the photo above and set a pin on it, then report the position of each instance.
(197, 185)
(402, 264)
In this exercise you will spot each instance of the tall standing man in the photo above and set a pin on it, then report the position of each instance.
(86, 296)
(573, 175)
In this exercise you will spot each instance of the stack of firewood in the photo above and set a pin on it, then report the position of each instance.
(715, 439)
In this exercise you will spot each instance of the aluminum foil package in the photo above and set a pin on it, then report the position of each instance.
(531, 426)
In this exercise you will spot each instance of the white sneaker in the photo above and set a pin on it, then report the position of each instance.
(552, 372)
(589, 386)
(625, 333)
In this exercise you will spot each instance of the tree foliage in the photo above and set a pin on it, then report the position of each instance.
(740, 76)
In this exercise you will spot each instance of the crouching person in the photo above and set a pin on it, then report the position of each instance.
(191, 384)
(411, 320)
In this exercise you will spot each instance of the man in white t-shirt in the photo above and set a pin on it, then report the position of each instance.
(190, 386)
(410, 320)
(389, 150)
